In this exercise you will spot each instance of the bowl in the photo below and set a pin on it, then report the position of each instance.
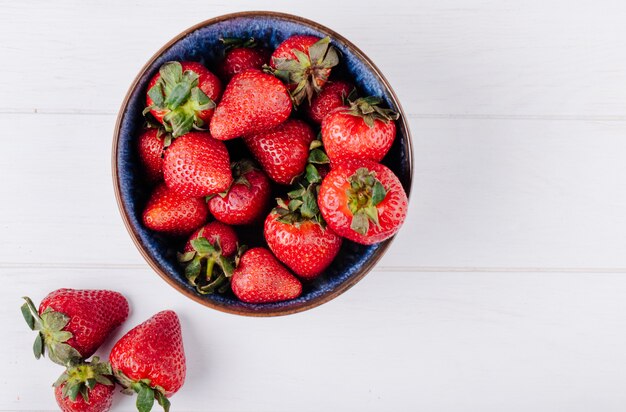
(201, 43)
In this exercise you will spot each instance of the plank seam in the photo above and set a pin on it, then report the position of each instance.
(453, 116)
(417, 269)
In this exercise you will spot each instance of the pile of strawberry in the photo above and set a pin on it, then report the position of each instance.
(72, 324)
(311, 142)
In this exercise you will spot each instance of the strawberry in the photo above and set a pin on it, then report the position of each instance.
(247, 199)
(72, 324)
(362, 201)
(92, 381)
(182, 96)
(218, 234)
(260, 278)
(240, 55)
(150, 146)
(197, 165)
(150, 360)
(171, 213)
(252, 102)
(304, 63)
(332, 96)
(210, 251)
(362, 130)
(298, 236)
(282, 151)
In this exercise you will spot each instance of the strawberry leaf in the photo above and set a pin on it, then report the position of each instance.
(171, 72)
(163, 401)
(360, 223)
(203, 246)
(156, 94)
(178, 95)
(378, 193)
(145, 398)
(38, 347)
(311, 174)
(317, 156)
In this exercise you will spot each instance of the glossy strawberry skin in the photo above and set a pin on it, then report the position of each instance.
(243, 205)
(297, 42)
(282, 151)
(150, 147)
(347, 136)
(171, 213)
(93, 314)
(252, 102)
(307, 248)
(209, 83)
(241, 59)
(197, 165)
(153, 350)
(328, 100)
(333, 202)
(216, 230)
(260, 278)
(100, 399)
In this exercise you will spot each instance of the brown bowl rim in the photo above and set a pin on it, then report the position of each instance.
(340, 289)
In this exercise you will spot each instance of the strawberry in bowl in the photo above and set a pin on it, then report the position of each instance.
(274, 190)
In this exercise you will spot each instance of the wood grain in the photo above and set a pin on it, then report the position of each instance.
(487, 193)
(440, 342)
(504, 290)
(545, 59)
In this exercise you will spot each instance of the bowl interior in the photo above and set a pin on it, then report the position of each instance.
(201, 43)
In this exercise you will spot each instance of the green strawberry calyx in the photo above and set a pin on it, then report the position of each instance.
(146, 393)
(365, 193)
(51, 336)
(177, 93)
(205, 267)
(369, 109)
(83, 377)
(301, 203)
(308, 71)
(238, 42)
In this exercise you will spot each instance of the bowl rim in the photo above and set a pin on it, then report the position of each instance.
(281, 311)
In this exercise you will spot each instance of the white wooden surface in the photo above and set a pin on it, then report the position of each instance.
(505, 290)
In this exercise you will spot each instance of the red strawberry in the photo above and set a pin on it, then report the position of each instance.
(240, 55)
(298, 236)
(86, 387)
(183, 96)
(260, 278)
(247, 200)
(169, 212)
(150, 146)
(215, 232)
(253, 101)
(210, 251)
(197, 165)
(362, 130)
(150, 360)
(333, 96)
(304, 63)
(72, 324)
(362, 201)
(282, 151)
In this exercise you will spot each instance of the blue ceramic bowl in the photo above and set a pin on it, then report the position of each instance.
(201, 43)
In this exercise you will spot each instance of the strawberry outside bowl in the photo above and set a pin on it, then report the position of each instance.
(201, 43)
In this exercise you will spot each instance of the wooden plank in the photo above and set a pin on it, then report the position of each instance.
(487, 193)
(553, 59)
(429, 341)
